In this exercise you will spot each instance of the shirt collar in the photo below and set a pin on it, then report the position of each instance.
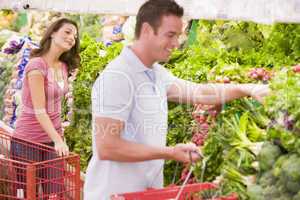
(134, 61)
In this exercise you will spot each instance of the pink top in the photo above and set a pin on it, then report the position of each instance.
(27, 126)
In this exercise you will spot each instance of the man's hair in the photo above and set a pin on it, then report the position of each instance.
(152, 12)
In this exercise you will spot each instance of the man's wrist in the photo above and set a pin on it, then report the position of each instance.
(168, 153)
(247, 89)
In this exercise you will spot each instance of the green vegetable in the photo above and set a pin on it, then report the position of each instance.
(255, 192)
(290, 173)
(268, 156)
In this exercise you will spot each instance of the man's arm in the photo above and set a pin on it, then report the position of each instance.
(110, 146)
(188, 92)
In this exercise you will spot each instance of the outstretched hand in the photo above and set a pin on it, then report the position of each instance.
(259, 91)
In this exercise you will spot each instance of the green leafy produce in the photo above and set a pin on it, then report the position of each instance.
(7, 63)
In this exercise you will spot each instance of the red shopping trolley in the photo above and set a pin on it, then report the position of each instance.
(24, 176)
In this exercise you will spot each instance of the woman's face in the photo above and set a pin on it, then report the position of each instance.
(65, 37)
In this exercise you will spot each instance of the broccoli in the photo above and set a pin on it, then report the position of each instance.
(255, 192)
(267, 179)
(297, 196)
(278, 165)
(271, 192)
(284, 196)
(268, 155)
(290, 173)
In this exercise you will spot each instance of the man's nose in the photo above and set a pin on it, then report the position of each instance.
(175, 42)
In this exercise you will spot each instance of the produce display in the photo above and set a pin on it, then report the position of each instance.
(12, 95)
(6, 18)
(6, 68)
(279, 159)
(243, 129)
(249, 148)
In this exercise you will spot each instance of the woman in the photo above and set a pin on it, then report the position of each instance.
(45, 83)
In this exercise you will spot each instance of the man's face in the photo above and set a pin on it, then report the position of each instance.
(166, 38)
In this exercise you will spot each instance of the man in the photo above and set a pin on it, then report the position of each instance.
(129, 106)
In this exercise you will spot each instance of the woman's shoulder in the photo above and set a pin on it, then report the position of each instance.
(37, 63)
(37, 60)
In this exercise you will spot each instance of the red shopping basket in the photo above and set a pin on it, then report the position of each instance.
(168, 193)
(24, 176)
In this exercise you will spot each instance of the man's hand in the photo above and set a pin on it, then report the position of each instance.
(259, 91)
(181, 153)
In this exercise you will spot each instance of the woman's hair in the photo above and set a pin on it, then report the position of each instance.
(71, 57)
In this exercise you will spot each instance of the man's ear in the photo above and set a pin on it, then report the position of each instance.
(147, 29)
